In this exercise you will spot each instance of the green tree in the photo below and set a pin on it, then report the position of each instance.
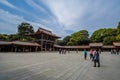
(118, 32)
(118, 37)
(24, 29)
(72, 42)
(79, 38)
(65, 40)
(109, 40)
(13, 37)
(102, 35)
(60, 42)
(118, 28)
(4, 37)
(98, 35)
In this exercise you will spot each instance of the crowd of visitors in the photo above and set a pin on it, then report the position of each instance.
(93, 53)
(94, 56)
(115, 51)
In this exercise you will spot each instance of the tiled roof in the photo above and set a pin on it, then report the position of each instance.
(4, 43)
(108, 46)
(73, 47)
(76, 47)
(25, 43)
(58, 46)
(40, 31)
(116, 43)
(96, 44)
(19, 43)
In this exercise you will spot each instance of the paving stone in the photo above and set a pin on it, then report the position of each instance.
(55, 66)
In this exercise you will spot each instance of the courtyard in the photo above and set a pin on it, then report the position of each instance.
(55, 66)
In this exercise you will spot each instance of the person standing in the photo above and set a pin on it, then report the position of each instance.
(85, 54)
(60, 50)
(111, 51)
(96, 58)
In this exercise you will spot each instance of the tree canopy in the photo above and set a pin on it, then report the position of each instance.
(107, 36)
(24, 29)
(79, 38)
(118, 32)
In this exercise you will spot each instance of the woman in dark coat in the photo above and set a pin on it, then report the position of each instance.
(96, 58)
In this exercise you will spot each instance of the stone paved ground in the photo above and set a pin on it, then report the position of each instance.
(54, 66)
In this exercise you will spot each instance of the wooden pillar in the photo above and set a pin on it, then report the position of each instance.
(15, 49)
(23, 49)
(30, 49)
(41, 42)
(53, 46)
(36, 48)
(50, 47)
(45, 46)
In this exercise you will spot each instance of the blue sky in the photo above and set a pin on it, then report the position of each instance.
(62, 17)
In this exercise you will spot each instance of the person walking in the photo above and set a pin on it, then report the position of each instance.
(96, 58)
(91, 54)
(85, 54)
(94, 51)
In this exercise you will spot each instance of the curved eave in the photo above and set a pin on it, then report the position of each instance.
(42, 32)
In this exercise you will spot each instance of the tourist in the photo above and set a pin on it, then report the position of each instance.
(96, 58)
(94, 51)
(76, 50)
(100, 51)
(60, 51)
(64, 51)
(117, 51)
(91, 54)
(111, 51)
(68, 51)
(85, 54)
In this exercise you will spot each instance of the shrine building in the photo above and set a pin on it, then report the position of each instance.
(45, 38)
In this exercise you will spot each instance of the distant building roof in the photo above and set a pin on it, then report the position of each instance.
(42, 29)
(116, 44)
(108, 46)
(25, 43)
(75, 47)
(19, 43)
(95, 44)
(71, 47)
(4, 43)
(58, 46)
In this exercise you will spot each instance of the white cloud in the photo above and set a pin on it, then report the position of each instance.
(5, 2)
(9, 22)
(79, 14)
(69, 13)
(35, 5)
(62, 15)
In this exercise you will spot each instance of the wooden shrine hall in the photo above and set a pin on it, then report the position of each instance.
(45, 38)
